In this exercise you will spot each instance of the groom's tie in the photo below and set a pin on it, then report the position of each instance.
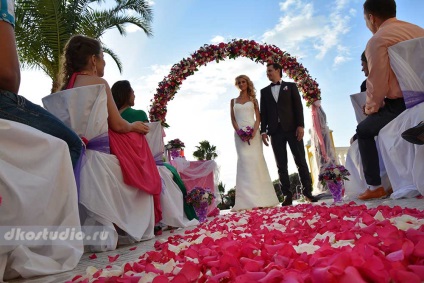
(274, 84)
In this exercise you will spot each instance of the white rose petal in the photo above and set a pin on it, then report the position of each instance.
(379, 216)
(308, 248)
(147, 277)
(91, 270)
(343, 243)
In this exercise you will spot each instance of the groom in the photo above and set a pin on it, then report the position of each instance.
(282, 119)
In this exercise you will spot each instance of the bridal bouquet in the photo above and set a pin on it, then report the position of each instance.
(335, 173)
(245, 133)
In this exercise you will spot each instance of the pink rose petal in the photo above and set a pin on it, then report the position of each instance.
(160, 279)
(273, 276)
(418, 270)
(249, 277)
(351, 275)
(179, 278)
(93, 256)
(113, 258)
(419, 249)
(404, 276)
(191, 271)
(396, 256)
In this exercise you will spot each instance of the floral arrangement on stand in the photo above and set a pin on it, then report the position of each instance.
(175, 147)
(200, 198)
(259, 53)
(333, 177)
(245, 134)
(334, 173)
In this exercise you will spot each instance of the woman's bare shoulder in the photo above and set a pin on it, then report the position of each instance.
(90, 80)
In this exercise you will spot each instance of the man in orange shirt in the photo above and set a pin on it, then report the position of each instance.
(384, 97)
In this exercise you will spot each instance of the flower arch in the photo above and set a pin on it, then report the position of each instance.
(259, 53)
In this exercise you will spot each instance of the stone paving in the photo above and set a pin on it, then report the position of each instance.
(127, 255)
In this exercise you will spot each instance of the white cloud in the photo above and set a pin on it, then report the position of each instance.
(302, 26)
(217, 39)
(284, 6)
(130, 28)
(340, 59)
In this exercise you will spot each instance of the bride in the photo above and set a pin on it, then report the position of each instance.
(253, 183)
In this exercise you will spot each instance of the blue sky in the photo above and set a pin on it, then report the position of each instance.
(327, 37)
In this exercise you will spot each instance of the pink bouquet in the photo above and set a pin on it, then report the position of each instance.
(245, 133)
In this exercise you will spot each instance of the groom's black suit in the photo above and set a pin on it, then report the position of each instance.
(280, 121)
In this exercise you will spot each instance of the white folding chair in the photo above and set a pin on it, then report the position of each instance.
(405, 161)
(37, 187)
(171, 197)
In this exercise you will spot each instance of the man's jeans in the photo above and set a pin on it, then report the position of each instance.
(16, 108)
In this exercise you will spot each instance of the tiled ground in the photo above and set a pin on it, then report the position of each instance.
(127, 255)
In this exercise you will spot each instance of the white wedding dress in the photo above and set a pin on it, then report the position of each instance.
(253, 184)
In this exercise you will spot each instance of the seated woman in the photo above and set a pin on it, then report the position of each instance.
(124, 97)
(83, 65)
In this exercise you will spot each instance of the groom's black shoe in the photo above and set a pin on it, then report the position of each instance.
(415, 135)
(288, 200)
(309, 197)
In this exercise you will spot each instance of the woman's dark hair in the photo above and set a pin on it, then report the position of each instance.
(384, 9)
(76, 54)
(121, 92)
(276, 66)
(363, 58)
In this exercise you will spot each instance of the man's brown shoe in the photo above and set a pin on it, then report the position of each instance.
(378, 193)
(366, 192)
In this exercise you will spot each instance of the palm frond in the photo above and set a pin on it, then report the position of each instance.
(44, 26)
(114, 57)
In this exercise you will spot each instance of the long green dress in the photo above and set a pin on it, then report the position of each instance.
(133, 115)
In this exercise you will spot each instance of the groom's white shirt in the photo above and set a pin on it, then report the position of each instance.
(275, 90)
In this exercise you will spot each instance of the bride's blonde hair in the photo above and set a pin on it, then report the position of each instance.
(251, 91)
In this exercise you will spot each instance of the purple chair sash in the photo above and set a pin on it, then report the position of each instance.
(158, 159)
(412, 98)
(98, 143)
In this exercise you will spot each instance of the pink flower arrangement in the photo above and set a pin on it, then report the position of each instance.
(259, 53)
(175, 143)
(198, 195)
(245, 133)
(335, 173)
(302, 243)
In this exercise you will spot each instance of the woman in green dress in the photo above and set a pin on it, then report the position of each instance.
(124, 97)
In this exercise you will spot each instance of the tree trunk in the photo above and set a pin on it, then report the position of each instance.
(55, 86)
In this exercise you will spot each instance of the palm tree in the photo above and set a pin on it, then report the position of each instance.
(205, 151)
(44, 26)
(221, 189)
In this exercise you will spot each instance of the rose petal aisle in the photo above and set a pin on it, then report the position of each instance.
(302, 243)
